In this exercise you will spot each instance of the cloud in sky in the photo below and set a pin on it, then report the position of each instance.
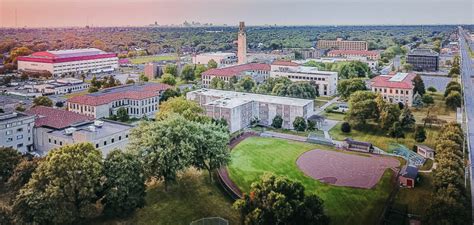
(35, 13)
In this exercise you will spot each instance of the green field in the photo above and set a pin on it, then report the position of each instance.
(152, 58)
(416, 200)
(192, 198)
(256, 155)
(438, 108)
(378, 137)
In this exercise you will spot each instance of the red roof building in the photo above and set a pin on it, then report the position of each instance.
(258, 71)
(56, 118)
(284, 63)
(373, 55)
(395, 87)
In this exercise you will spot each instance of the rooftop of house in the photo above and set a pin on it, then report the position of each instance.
(56, 118)
(236, 70)
(137, 91)
(409, 172)
(398, 80)
(426, 148)
(422, 52)
(354, 142)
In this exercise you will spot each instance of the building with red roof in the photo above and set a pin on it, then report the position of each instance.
(55, 128)
(139, 99)
(258, 71)
(372, 55)
(69, 62)
(395, 87)
(340, 44)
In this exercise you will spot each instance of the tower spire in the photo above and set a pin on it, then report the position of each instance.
(242, 44)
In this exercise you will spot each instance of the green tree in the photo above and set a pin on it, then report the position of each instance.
(190, 110)
(246, 83)
(454, 100)
(389, 115)
(124, 186)
(217, 83)
(171, 69)
(407, 120)
(301, 90)
(299, 124)
(169, 93)
(452, 86)
(427, 99)
(142, 78)
(420, 134)
(447, 206)
(345, 127)
(122, 114)
(419, 85)
(92, 89)
(9, 159)
(311, 125)
(199, 70)
(43, 100)
(431, 89)
(278, 200)
(164, 157)
(396, 131)
(130, 81)
(63, 189)
(6, 215)
(277, 121)
(212, 64)
(168, 78)
(362, 107)
(346, 87)
(22, 173)
(188, 72)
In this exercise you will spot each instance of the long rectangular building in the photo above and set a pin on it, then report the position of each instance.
(139, 99)
(69, 62)
(258, 71)
(394, 88)
(239, 109)
(340, 44)
(16, 131)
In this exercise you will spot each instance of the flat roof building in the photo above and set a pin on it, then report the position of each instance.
(395, 87)
(16, 131)
(239, 108)
(69, 62)
(371, 55)
(139, 99)
(61, 86)
(340, 44)
(423, 60)
(258, 71)
(221, 58)
(55, 128)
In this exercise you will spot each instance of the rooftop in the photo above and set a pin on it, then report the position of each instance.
(135, 91)
(284, 63)
(56, 118)
(9, 115)
(409, 172)
(222, 54)
(106, 129)
(353, 52)
(61, 56)
(398, 80)
(236, 70)
(423, 52)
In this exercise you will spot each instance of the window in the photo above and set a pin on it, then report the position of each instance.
(105, 143)
(113, 140)
(19, 137)
(9, 139)
(19, 145)
(61, 143)
(96, 145)
(126, 136)
(54, 141)
(120, 138)
(9, 132)
(49, 140)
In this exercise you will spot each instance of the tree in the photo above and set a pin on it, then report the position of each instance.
(407, 120)
(210, 151)
(92, 89)
(171, 69)
(427, 99)
(417, 101)
(277, 121)
(43, 101)
(454, 100)
(124, 186)
(389, 115)
(419, 85)
(452, 86)
(64, 187)
(99, 44)
(142, 78)
(188, 72)
(122, 114)
(420, 134)
(301, 90)
(130, 81)
(17, 52)
(346, 87)
(278, 200)
(362, 107)
(164, 157)
(59, 104)
(246, 83)
(20, 108)
(345, 127)
(169, 79)
(447, 206)
(217, 83)
(299, 124)
(212, 64)
(9, 159)
(396, 131)
(311, 125)
(190, 110)
(199, 70)
(431, 89)
(169, 93)
(6, 215)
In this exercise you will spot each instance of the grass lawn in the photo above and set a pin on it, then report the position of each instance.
(416, 199)
(152, 58)
(439, 109)
(319, 103)
(191, 199)
(256, 155)
(333, 115)
(378, 137)
(428, 165)
(286, 131)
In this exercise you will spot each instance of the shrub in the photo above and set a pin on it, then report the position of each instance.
(345, 127)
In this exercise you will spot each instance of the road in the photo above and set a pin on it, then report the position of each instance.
(467, 80)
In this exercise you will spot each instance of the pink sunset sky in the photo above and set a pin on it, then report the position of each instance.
(52, 13)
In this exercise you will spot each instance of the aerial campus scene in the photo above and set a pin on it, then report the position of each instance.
(251, 112)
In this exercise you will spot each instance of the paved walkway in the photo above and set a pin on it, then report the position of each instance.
(327, 104)
(283, 136)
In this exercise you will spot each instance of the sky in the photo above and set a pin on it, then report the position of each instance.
(60, 13)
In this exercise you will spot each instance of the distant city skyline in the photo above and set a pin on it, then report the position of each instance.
(63, 13)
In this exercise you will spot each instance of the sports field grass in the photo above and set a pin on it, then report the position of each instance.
(192, 198)
(256, 155)
(152, 58)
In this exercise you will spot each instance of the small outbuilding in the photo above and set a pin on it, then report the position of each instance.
(408, 176)
(425, 151)
(350, 144)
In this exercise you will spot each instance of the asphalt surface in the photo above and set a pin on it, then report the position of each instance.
(467, 74)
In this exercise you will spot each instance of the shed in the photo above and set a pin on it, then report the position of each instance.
(425, 151)
(350, 144)
(408, 176)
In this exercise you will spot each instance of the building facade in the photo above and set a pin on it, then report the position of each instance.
(139, 99)
(69, 62)
(55, 128)
(423, 60)
(241, 45)
(240, 109)
(61, 86)
(221, 58)
(340, 44)
(354, 54)
(325, 82)
(16, 131)
(258, 71)
(394, 88)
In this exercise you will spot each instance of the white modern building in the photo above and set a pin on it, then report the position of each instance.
(55, 128)
(69, 62)
(61, 86)
(240, 109)
(16, 131)
(221, 58)
(324, 81)
(139, 99)
(394, 87)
